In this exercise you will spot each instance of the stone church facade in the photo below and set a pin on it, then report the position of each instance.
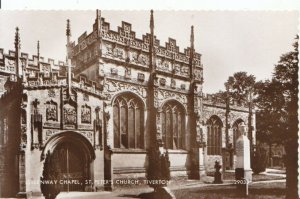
(124, 95)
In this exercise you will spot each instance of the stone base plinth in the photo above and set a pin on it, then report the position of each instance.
(241, 174)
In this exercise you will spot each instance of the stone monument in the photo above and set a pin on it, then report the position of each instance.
(218, 175)
(243, 172)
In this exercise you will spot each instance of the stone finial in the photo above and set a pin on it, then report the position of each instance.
(192, 76)
(68, 31)
(17, 52)
(98, 17)
(98, 22)
(38, 49)
(17, 39)
(151, 22)
(192, 38)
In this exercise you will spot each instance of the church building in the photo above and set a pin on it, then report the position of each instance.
(94, 117)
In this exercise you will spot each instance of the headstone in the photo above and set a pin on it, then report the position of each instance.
(218, 175)
(243, 172)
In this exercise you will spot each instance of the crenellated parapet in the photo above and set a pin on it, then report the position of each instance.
(217, 101)
(30, 64)
(42, 80)
(123, 47)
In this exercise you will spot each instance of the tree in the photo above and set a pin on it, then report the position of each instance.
(286, 75)
(269, 114)
(277, 119)
(239, 85)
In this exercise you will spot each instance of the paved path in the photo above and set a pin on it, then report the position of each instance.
(134, 192)
(131, 193)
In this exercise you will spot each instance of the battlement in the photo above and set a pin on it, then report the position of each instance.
(32, 64)
(123, 46)
(40, 72)
(213, 99)
(54, 79)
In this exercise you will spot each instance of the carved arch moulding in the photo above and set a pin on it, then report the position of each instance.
(208, 112)
(114, 88)
(162, 96)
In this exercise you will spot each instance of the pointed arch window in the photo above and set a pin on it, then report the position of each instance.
(128, 122)
(173, 125)
(214, 136)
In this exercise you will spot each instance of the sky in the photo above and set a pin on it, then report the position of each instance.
(229, 41)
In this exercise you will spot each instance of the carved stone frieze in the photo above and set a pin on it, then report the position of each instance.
(49, 133)
(51, 124)
(209, 111)
(163, 95)
(112, 86)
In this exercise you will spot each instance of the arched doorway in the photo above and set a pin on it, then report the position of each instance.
(68, 164)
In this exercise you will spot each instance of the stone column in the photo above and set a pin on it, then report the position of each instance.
(108, 145)
(243, 169)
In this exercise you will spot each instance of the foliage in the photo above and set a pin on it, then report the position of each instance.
(239, 85)
(259, 160)
(277, 102)
(277, 119)
(270, 114)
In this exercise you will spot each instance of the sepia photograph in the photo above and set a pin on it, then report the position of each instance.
(150, 104)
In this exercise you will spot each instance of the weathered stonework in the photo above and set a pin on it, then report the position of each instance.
(48, 112)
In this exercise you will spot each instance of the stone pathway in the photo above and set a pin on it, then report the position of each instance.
(135, 191)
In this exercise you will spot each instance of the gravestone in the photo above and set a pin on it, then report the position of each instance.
(218, 175)
(243, 172)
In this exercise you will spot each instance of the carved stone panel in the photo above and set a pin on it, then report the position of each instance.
(70, 115)
(85, 114)
(51, 93)
(51, 111)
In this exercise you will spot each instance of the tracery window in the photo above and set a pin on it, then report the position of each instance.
(128, 122)
(214, 136)
(173, 125)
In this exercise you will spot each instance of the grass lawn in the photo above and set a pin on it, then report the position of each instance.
(255, 177)
(260, 190)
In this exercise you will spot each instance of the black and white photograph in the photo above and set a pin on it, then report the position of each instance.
(150, 104)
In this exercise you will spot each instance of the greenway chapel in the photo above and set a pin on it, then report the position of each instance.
(93, 117)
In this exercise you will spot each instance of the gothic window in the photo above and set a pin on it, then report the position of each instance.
(235, 132)
(173, 125)
(128, 122)
(214, 136)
